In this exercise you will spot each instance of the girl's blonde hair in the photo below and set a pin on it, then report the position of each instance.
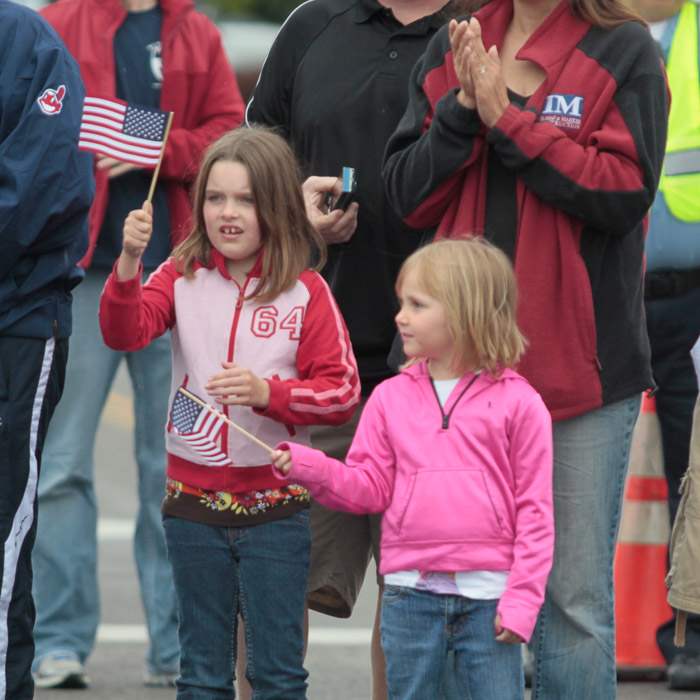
(290, 242)
(474, 282)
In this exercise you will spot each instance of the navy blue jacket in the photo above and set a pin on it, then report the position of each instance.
(46, 184)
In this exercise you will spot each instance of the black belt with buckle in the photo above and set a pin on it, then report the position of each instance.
(660, 284)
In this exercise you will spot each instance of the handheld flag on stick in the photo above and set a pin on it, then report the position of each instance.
(129, 133)
(198, 423)
(199, 429)
(154, 179)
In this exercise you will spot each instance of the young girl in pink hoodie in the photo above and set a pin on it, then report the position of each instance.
(456, 452)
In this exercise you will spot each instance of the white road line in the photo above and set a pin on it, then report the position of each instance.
(323, 636)
(121, 634)
(339, 637)
(115, 529)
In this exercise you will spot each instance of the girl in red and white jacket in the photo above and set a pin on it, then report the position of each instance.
(259, 333)
(456, 452)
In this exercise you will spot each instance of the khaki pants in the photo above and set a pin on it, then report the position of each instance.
(341, 543)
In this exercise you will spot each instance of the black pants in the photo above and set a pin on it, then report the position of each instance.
(674, 325)
(31, 381)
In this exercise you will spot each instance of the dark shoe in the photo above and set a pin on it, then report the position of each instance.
(684, 672)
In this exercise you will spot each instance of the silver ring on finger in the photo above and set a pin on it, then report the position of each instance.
(482, 70)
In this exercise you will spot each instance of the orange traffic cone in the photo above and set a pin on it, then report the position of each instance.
(640, 561)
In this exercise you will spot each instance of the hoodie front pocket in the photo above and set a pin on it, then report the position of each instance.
(449, 505)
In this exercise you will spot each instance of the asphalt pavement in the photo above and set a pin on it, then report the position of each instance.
(338, 658)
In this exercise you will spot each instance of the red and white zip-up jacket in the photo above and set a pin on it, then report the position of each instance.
(298, 342)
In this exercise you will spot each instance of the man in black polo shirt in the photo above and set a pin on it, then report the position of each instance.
(336, 84)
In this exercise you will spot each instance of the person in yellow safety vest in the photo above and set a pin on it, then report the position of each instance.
(672, 284)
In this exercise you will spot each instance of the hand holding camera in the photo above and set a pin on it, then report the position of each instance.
(330, 206)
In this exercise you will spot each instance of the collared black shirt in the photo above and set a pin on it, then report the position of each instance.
(501, 221)
(336, 84)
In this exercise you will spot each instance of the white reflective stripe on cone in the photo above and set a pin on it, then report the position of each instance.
(646, 457)
(644, 522)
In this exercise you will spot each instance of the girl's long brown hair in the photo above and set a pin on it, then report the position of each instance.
(605, 14)
(290, 242)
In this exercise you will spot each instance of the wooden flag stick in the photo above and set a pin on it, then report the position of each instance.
(154, 179)
(243, 431)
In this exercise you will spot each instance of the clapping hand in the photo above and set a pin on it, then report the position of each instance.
(478, 70)
(460, 36)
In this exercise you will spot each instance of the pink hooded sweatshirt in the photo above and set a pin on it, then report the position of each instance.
(464, 487)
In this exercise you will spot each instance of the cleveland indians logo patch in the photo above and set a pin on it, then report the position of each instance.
(51, 101)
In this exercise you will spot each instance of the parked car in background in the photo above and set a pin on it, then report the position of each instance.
(247, 43)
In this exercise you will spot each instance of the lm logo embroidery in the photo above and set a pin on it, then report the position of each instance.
(51, 101)
(564, 111)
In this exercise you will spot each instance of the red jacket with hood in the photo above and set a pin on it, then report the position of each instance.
(587, 150)
(198, 86)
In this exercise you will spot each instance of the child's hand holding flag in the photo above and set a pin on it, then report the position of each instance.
(125, 136)
(138, 228)
(281, 460)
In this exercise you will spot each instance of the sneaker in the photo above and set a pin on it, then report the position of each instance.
(60, 670)
(160, 679)
(684, 672)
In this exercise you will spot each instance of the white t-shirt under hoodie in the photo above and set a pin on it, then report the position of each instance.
(479, 585)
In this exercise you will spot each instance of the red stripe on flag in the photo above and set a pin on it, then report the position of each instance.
(101, 131)
(150, 152)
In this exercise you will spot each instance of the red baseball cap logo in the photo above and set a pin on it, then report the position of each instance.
(51, 101)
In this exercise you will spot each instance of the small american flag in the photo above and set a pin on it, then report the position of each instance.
(126, 132)
(199, 427)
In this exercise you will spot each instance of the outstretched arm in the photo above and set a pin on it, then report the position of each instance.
(363, 484)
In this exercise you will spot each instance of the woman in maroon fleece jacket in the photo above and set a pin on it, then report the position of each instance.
(542, 124)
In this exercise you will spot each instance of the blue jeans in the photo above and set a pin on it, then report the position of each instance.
(257, 572)
(65, 553)
(574, 640)
(419, 629)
